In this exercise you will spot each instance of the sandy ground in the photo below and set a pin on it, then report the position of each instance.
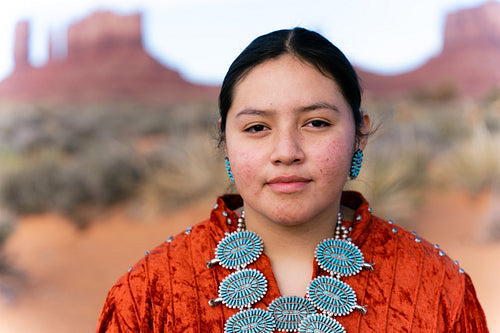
(68, 271)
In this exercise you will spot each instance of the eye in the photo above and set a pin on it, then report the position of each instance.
(318, 123)
(255, 128)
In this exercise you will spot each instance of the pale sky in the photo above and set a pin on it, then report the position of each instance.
(200, 38)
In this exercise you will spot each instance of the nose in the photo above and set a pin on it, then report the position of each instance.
(287, 148)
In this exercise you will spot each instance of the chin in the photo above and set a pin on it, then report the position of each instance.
(291, 218)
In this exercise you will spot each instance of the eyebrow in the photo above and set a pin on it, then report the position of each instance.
(309, 108)
(320, 105)
(255, 112)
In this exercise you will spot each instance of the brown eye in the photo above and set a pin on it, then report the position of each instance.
(255, 128)
(319, 123)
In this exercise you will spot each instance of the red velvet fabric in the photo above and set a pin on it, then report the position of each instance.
(412, 289)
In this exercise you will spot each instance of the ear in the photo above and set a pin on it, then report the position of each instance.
(364, 129)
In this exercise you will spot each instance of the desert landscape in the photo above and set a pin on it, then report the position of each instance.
(101, 164)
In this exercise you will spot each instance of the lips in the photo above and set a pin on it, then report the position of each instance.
(288, 184)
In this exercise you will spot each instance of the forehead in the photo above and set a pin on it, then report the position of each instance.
(286, 81)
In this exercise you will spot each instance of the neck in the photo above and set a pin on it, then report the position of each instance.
(297, 241)
(293, 239)
(290, 248)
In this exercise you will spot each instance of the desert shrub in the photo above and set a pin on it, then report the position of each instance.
(472, 164)
(6, 228)
(75, 159)
(423, 144)
(189, 167)
(11, 278)
(392, 182)
(53, 181)
(74, 128)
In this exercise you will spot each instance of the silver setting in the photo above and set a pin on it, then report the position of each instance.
(360, 308)
(215, 301)
(418, 240)
(211, 263)
(394, 230)
(368, 266)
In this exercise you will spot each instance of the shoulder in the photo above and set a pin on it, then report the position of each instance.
(166, 274)
(394, 243)
(188, 248)
(419, 274)
(411, 250)
(182, 257)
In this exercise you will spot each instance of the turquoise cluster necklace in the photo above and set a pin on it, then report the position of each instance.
(326, 296)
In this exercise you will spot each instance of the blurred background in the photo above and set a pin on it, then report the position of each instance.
(108, 113)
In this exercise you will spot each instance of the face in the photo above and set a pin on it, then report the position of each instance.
(290, 136)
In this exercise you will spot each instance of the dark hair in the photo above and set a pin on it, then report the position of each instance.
(304, 44)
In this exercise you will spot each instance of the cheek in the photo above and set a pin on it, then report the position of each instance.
(333, 160)
(245, 165)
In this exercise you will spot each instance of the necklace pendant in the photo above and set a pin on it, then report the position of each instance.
(318, 323)
(243, 288)
(250, 321)
(332, 296)
(239, 249)
(289, 311)
(340, 257)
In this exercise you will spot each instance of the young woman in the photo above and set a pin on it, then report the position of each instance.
(293, 252)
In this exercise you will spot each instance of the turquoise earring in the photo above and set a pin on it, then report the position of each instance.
(357, 159)
(228, 169)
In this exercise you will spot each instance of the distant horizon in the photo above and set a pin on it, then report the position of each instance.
(395, 39)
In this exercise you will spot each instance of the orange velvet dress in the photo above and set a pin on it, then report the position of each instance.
(414, 287)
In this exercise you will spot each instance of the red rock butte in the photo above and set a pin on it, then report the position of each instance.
(105, 62)
(468, 64)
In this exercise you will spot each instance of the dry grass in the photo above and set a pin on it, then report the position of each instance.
(473, 165)
(185, 169)
(74, 161)
(425, 144)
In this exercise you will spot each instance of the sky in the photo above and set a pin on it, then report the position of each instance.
(200, 38)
